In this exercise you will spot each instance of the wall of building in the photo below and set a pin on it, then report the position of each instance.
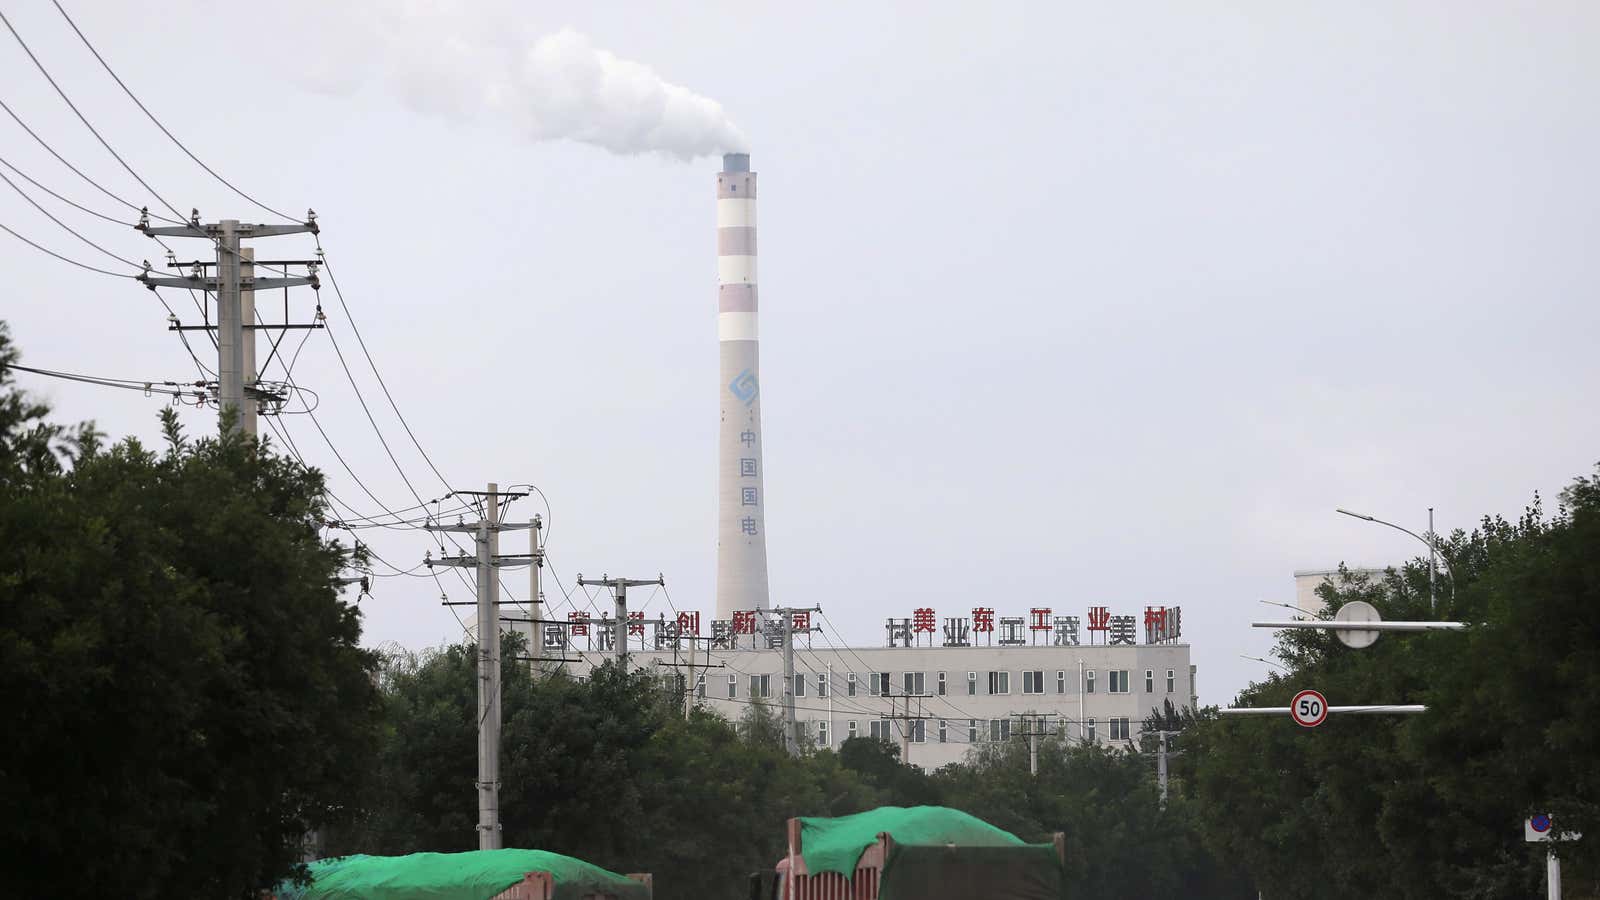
(1065, 700)
(1306, 582)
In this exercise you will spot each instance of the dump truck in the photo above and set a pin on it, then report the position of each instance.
(474, 875)
(921, 852)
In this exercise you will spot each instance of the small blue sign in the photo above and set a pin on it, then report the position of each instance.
(1540, 823)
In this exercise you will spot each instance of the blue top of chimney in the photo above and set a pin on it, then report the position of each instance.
(735, 162)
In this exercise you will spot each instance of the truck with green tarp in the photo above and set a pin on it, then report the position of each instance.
(921, 852)
(473, 875)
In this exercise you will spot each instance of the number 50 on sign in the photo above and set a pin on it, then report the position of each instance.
(1308, 708)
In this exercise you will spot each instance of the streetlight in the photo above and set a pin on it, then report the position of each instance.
(1267, 661)
(1434, 553)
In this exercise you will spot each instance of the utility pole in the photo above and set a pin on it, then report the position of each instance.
(1037, 727)
(1433, 563)
(486, 534)
(536, 598)
(234, 278)
(906, 718)
(791, 727)
(620, 587)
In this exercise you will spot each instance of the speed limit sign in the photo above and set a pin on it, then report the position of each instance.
(1308, 708)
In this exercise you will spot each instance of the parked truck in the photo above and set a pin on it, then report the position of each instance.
(921, 852)
(475, 875)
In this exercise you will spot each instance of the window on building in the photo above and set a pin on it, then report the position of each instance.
(999, 682)
(1061, 681)
(943, 734)
(941, 684)
(1117, 681)
(972, 684)
(1033, 682)
(799, 685)
(852, 727)
(1171, 680)
(879, 684)
(972, 731)
(700, 686)
(1149, 681)
(882, 730)
(1088, 682)
(822, 734)
(1090, 733)
(822, 684)
(733, 686)
(760, 686)
(915, 682)
(583, 679)
(850, 686)
(999, 729)
(1119, 729)
(919, 734)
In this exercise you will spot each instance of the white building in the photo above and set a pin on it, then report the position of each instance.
(1306, 582)
(934, 701)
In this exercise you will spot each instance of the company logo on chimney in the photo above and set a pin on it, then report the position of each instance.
(744, 387)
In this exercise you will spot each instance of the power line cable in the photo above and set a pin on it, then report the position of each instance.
(68, 228)
(75, 170)
(151, 116)
(65, 259)
(82, 118)
(339, 293)
(78, 206)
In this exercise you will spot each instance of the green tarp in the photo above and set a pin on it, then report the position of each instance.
(834, 845)
(474, 875)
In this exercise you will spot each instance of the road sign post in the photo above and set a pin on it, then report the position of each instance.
(1540, 829)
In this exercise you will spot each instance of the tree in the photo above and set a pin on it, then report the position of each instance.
(1119, 842)
(608, 770)
(186, 696)
(1428, 806)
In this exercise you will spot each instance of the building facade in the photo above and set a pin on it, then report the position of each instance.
(934, 701)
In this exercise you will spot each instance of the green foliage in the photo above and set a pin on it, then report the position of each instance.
(608, 770)
(1428, 806)
(1120, 844)
(185, 692)
(611, 771)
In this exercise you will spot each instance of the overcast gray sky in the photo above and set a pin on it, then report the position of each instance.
(1063, 304)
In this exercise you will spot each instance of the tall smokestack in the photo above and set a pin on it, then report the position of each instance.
(741, 497)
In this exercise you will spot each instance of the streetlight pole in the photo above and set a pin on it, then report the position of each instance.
(1434, 554)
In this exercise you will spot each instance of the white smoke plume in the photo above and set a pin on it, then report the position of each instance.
(556, 86)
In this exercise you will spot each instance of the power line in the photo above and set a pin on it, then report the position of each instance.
(148, 113)
(78, 206)
(79, 172)
(74, 107)
(68, 228)
(64, 259)
(148, 387)
(338, 293)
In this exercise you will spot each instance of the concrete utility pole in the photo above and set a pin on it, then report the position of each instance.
(1161, 763)
(486, 534)
(791, 727)
(234, 279)
(620, 587)
(536, 597)
(906, 718)
(1037, 728)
